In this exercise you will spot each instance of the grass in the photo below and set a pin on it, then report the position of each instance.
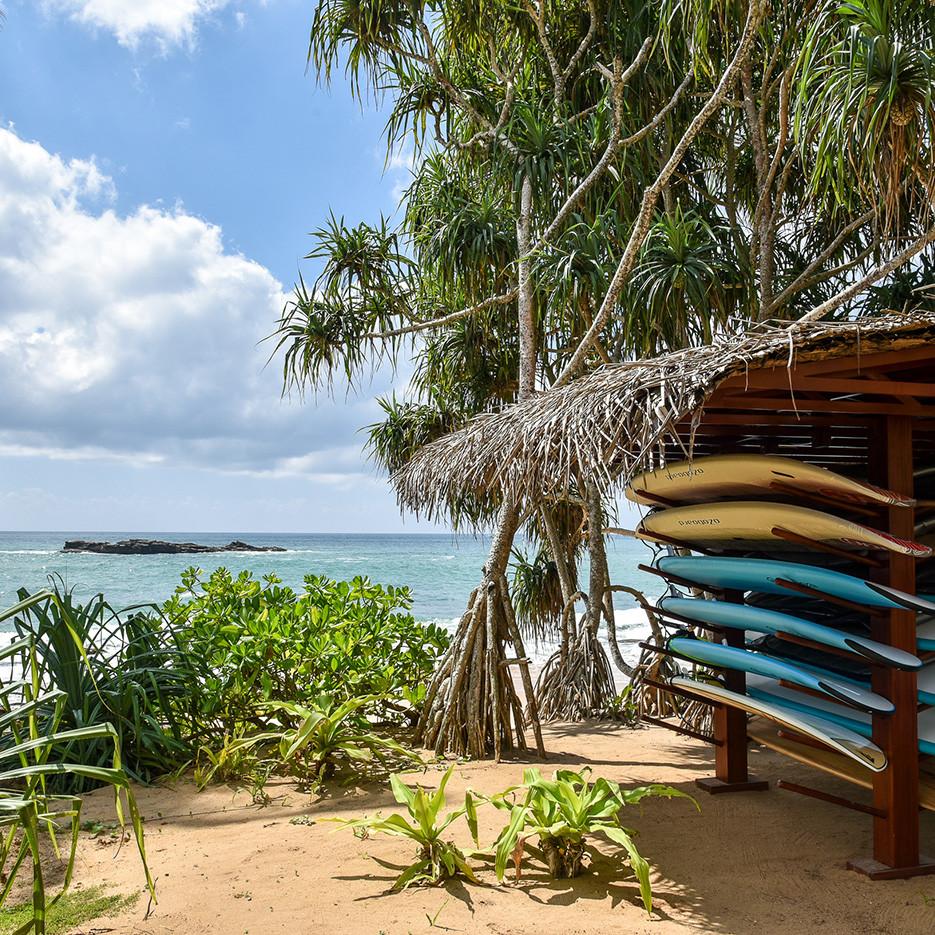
(75, 908)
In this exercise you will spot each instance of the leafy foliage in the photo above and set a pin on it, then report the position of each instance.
(866, 105)
(437, 860)
(309, 741)
(36, 747)
(536, 592)
(264, 643)
(563, 812)
(118, 667)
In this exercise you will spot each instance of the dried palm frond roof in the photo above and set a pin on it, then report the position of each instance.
(607, 424)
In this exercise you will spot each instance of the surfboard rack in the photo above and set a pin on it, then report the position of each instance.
(673, 689)
(688, 621)
(828, 796)
(824, 648)
(685, 731)
(655, 498)
(787, 535)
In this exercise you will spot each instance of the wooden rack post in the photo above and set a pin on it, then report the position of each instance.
(896, 789)
(730, 732)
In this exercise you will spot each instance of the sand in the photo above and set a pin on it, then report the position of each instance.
(753, 863)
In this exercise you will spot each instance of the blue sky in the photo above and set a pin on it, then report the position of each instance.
(161, 163)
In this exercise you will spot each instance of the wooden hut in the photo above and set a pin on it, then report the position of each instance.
(858, 397)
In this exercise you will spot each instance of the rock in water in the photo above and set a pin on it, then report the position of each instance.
(160, 547)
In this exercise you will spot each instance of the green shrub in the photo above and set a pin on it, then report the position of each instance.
(324, 734)
(119, 667)
(35, 748)
(436, 860)
(562, 812)
(263, 643)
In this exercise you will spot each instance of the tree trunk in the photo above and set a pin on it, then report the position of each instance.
(471, 697)
(525, 310)
(471, 703)
(577, 682)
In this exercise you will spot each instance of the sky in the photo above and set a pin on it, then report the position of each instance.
(161, 165)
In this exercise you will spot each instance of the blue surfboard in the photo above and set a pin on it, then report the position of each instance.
(925, 680)
(771, 692)
(730, 657)
(763, 575)
(925, 636)
(762, 620)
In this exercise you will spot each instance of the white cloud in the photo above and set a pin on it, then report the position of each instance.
(169, 22)
(136, 337)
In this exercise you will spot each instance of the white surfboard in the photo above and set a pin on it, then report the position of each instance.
(833, 735)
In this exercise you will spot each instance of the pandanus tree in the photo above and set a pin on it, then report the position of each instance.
(528, 116)
(596, 181)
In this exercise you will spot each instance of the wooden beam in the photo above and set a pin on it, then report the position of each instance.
(730, 732)
(857, 363)
(804, 406)
(896, 789)
(792, 380)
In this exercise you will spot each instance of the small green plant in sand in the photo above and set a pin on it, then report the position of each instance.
(311, 740)
(563, 812)
(74, 909)
(35, 747)
(437, 860)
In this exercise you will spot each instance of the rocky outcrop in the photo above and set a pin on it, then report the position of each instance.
(159, 547)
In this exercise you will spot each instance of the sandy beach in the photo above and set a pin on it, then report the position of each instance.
(759, 863)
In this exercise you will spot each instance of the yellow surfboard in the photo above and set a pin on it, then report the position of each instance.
(751, 475)
(748, 524)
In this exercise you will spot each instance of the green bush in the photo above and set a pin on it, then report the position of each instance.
(119, 667)
(437, 860)
(324, 734)
(37, 747)
(566, 810)
(263, 642)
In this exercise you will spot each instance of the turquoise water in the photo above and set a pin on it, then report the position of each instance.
(441, 569)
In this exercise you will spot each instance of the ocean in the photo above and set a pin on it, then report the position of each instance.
(440, 568)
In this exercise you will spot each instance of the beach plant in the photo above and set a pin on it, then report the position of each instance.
(437, 860)
(262, 642)
(564, 812)
(124, 668)
(315, 738)
(34, 749)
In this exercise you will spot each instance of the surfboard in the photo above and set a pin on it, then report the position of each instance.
(730, 657)
(925, 678)
(771, 692)
(765, 733)
(764, 575)
(744, 617)
(750, 524)
(925, 636)
(834, 735)
(741, 475)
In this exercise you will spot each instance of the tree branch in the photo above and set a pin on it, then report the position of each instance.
(802, 281)
(755, 13)
(503, 299)
(618, 81)
(836, 301)
(594, 16)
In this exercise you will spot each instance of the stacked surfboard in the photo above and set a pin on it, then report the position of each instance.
(782, 551)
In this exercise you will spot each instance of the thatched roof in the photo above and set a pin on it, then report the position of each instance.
(608, 423)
